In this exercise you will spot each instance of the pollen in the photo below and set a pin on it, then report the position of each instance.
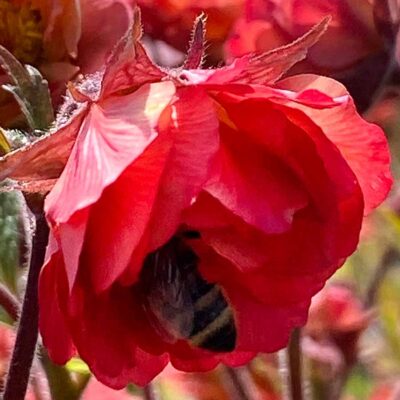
(21, 30)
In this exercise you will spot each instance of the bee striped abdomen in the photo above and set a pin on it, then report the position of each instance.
(214, 325)
(181, 304)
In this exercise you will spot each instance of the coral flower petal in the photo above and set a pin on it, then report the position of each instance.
(362, 144)
(120, 360)
(58, 341)
(153, 191)
(196, 142)
(114, 133)
(256, 185)
(111, 137)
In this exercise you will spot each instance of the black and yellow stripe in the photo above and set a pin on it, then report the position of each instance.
(180, 301)
(213, 322)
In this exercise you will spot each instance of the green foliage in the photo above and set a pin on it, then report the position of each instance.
(30, 90)
(9, 239)
(359, 384)
(133, 389)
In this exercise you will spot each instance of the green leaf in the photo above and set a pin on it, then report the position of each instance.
(30, 90)
(10, 239)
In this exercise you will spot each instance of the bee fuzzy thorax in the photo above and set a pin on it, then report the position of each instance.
(180, 304)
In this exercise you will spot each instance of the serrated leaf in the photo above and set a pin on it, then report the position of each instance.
(30, 90)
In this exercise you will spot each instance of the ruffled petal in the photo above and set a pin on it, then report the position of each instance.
(152, 192)
(70, 240)
(260, 122)
(112, 352)
(114, 133)
(264, 328)
(255, 184)
(119, 218)
(321, 235)
(303, 147)
(262, 264)
(209, 362)
(146, 367)
(362, 144)
(195, 134)
(53, 327)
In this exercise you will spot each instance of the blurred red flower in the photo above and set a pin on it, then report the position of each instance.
(216, 384)
(264, 182)
(356, 44)
(97, 391)
(386, 391)
(350, 37)
(61, 38)
(200, 386)
(338, 317)
(172, 21)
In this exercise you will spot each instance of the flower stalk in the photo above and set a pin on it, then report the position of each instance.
(149, 392)
(25, 344)
(295, 366)
(239, 391)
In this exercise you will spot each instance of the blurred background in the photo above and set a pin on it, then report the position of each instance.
(351, 344)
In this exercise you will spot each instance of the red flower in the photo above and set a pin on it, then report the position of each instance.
(351, 36)
(260, 183)
(386, 391)
(97, 391)
(337, 317)
(172, 20)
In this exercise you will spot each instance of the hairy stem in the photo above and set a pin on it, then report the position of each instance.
(25, 344)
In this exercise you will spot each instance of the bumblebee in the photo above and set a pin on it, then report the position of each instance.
(180, 304)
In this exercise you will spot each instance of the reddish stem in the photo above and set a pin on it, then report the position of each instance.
(295, 366)
(239, 390)
(25, 344)
(149, 392)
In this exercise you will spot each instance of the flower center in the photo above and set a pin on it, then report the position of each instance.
(21, 30)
